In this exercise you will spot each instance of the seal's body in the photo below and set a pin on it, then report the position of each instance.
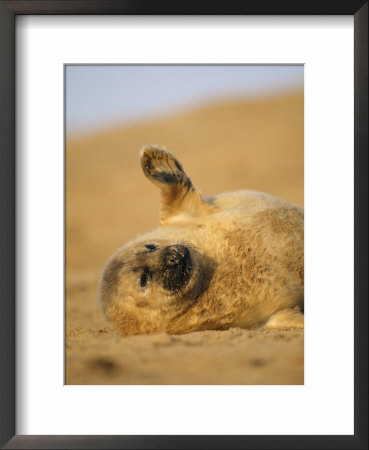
(232, 260)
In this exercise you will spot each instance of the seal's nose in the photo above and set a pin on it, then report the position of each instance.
(176, 255)
(177, 267)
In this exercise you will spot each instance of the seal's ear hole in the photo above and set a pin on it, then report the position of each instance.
(144, 279)
(151, 247)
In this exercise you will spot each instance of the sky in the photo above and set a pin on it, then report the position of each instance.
(98, 96)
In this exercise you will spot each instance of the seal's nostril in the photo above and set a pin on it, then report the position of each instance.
(174, 257)
(172, 260)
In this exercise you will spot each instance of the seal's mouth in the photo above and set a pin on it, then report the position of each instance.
(177, 267)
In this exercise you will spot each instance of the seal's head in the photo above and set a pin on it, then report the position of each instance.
(148, 283)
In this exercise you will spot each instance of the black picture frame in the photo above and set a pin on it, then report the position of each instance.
(8, 11)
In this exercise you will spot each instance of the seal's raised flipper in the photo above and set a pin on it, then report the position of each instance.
(179, 198)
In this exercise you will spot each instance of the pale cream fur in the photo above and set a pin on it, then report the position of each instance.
(247, 261)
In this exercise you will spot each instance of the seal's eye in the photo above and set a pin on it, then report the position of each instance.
(150, 246)
(144, 279)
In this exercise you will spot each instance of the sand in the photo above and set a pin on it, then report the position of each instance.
(224, 146)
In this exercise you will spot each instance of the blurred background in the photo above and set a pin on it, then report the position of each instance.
(232, 127)
(100, 96)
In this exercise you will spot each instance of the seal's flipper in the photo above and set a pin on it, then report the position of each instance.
(179, 198)
(163, 169)
(287, 318)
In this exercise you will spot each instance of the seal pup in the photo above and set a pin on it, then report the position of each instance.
(232, 260)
